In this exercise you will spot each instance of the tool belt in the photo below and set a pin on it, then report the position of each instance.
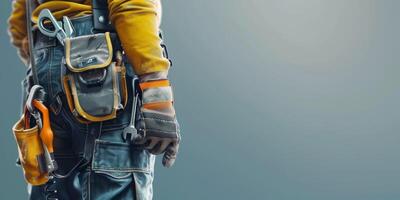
(94, 78)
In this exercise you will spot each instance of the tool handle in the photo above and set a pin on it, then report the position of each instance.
(46, 134)
(135, 101)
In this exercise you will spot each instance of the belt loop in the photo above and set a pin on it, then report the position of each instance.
(56, 105)
(93, 133)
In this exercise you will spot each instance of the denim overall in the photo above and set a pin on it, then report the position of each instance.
(113, 169)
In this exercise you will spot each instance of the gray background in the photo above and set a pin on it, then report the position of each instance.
(278, 100)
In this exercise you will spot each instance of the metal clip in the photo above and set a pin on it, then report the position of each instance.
(36, 93)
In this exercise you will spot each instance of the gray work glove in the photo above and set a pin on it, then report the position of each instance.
(158, 128)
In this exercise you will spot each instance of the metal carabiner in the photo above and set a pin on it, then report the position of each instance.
(36, 93)
(46, 17)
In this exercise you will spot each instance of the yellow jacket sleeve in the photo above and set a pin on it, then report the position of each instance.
(136, 22)
(17, 29)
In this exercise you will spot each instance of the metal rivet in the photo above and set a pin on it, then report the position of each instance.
(101, 19)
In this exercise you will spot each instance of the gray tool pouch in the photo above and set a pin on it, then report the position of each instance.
(94, 84)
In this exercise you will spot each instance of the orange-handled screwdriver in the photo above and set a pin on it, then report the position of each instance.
(46, 134)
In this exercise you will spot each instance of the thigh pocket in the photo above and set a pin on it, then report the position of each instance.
(119, 157)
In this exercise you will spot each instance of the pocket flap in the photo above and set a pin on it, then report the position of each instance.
(119, 157)
(88, 52)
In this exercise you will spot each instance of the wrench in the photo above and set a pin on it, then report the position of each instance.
(131, 129)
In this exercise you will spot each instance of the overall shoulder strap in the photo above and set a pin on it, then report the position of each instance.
(100, 16)
(30, 6)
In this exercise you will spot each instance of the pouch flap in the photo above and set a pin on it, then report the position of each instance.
(88, 52)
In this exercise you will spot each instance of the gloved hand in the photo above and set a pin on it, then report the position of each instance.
(158, 128)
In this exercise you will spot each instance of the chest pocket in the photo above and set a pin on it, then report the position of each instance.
(94, 84)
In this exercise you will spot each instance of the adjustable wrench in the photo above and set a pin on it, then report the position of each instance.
(131, 129)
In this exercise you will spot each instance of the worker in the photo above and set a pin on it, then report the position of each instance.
(112, 167)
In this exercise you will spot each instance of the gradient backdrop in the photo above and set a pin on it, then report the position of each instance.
(278, 100)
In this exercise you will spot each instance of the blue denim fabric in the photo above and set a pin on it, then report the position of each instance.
(118, 170)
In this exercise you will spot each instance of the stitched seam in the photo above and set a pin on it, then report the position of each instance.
(122, 169)
(135, 187)
(161, 120)
(50, 70)
(161, 131)
(89, 185)
(48, 74)
(114, 176)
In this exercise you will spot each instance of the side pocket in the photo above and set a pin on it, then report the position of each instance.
(119, 157)
(30, 151)
(111, 185)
